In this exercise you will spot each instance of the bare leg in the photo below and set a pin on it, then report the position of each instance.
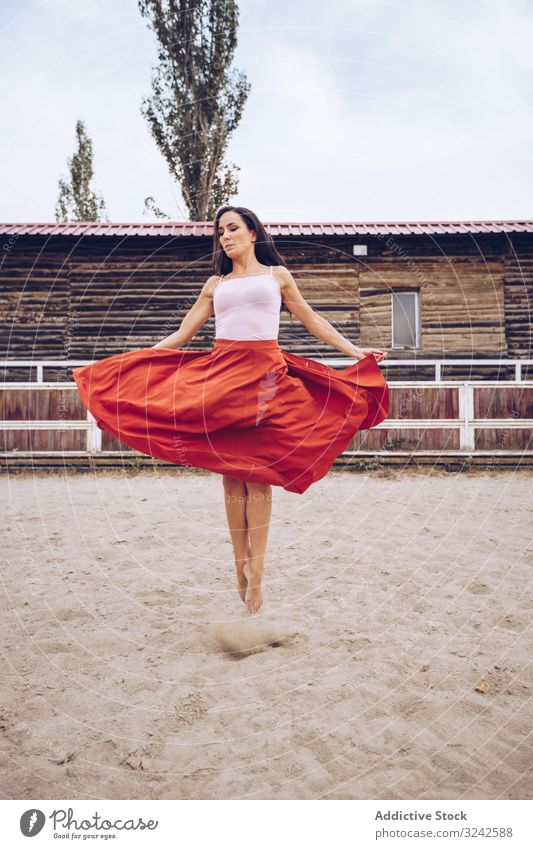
(258, 512)
(235, 499)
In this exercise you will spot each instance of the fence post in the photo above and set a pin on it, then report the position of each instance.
(94, 435)
(466, 414)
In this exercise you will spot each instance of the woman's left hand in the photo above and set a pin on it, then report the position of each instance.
(361, 353)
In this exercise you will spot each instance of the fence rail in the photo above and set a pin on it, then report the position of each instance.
(438, 365)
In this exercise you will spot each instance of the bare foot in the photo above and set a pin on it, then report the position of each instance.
(253, 598)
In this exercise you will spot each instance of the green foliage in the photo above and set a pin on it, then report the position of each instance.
(76, 200)
(197, 99)
(151, 208)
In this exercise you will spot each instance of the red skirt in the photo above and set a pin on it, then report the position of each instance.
(245, 409)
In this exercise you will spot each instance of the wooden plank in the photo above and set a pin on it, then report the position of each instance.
(503, 403)
(406, 440)
(41, 405)
(500, 439)
(43, 440)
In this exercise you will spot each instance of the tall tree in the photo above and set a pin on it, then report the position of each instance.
(76, 200)
(197, 99)
(151, 208)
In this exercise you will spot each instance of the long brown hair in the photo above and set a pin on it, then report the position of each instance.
(265, 250)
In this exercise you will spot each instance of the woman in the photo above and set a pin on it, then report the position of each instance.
(246, 409)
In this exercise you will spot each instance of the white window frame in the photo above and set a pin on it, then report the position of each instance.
(416, 295)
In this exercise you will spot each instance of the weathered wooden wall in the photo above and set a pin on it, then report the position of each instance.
(518, 283)
(92, 297)
(98, 298)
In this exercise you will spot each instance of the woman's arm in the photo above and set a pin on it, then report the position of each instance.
(315, 323)
(194, 320)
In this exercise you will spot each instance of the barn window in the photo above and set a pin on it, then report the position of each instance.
(405, 312)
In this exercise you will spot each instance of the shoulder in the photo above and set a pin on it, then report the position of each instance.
(210, 285)
(283, 276)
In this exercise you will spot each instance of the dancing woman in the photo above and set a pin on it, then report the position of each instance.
(256, 414)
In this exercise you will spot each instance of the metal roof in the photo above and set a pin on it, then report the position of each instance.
(276, 229)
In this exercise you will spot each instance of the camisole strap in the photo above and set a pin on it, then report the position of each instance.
(270, 267)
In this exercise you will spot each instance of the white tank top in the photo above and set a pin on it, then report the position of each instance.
(248, 307)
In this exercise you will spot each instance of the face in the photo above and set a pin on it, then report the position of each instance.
(235, 237)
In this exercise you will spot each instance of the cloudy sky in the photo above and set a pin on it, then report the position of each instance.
(359, 110)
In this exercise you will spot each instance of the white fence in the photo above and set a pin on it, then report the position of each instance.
(465, 423)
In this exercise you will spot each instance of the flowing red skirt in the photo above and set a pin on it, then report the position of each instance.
(245, 409)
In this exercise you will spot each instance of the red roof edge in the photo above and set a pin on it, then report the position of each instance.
(203, 229)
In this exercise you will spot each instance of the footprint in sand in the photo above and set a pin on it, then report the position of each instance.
(478, 587)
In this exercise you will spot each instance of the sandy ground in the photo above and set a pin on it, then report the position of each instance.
(406, 590)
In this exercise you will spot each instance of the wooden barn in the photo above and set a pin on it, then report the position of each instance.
(447, 301)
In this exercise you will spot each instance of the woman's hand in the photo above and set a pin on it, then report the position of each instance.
(361, 353)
